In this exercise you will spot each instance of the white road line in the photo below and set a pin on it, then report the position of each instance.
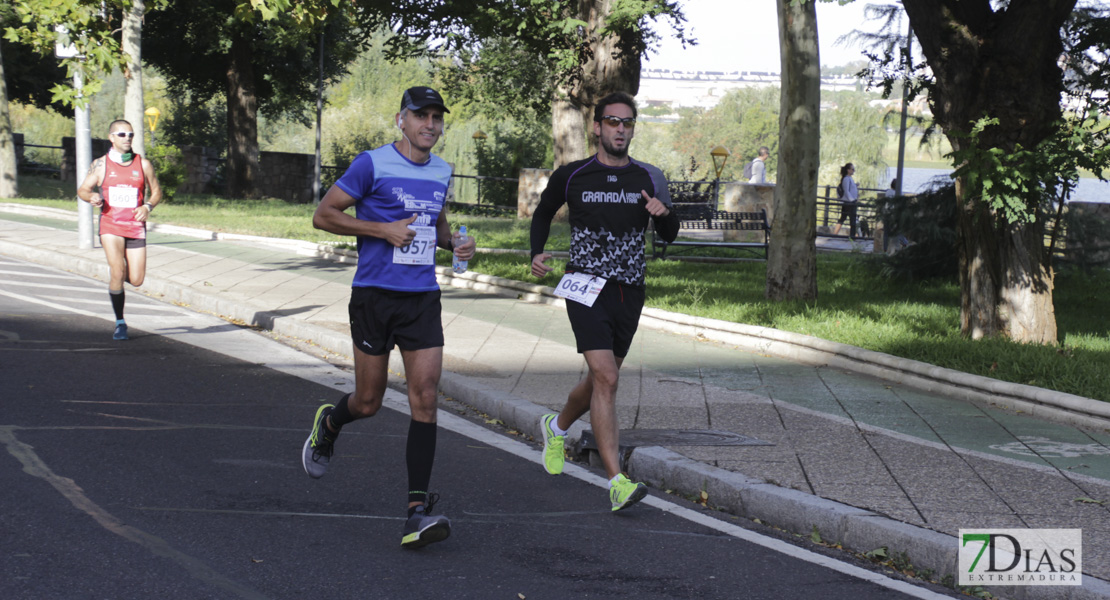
(34, 274)
(251, 347)
(52, 305)
(47, 286)
(133, 301)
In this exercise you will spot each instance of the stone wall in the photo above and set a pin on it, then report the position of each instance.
(747, 197)
(17, 139)
(201, 166)
(532, 184)
(1095, 248)
(286, 175)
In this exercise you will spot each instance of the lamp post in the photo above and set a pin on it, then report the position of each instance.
(82, 137)
(479, 138)
(720, 156)
(152, 115)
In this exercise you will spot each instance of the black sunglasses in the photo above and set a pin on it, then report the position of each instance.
(612, 121)
(124, 134)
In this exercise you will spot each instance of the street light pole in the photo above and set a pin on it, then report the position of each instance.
(720, 156)
(64, 48)
(902, 126)
(152, 115)
(83, 143)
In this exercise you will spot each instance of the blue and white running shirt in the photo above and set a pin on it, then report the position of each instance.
(389, 187)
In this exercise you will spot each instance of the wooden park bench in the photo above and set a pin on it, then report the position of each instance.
(702, 217)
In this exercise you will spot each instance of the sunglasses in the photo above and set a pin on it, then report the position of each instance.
(612, 121)
(124, 134)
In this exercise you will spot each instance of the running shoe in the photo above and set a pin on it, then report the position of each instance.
(121, 331)
(422, 529)
(553, 455)
(625, 492)
(319, 446)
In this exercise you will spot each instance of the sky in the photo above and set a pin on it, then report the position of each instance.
(743, 35)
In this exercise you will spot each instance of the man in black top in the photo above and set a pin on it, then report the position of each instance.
(610, 198)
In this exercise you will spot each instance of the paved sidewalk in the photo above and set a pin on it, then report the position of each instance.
(795, 443)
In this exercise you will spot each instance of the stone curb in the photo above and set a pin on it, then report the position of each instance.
(856, 529)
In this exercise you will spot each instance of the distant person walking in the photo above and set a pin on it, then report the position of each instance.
(398, 193)
(611, 199)
(123, 179)
(848, 195)
(759, 166)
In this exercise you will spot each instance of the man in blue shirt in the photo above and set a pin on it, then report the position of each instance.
(398, 192)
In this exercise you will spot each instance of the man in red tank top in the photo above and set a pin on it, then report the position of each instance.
(122, 178)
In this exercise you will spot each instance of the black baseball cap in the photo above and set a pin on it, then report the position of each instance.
(418, 97)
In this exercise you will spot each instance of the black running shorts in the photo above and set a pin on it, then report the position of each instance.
(382, 318)
(611, 322)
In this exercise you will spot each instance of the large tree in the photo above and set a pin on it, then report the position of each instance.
(257, 60)
(997, 86)
(792, 252)
(9, 183)
(591, 47)
(132, 46)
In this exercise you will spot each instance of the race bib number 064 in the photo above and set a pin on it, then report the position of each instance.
(580, 287)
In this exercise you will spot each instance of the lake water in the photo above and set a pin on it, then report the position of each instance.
(1090, 189)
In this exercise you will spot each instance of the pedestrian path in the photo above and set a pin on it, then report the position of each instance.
(920, 458)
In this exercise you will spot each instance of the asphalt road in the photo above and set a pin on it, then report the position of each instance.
(168, 466)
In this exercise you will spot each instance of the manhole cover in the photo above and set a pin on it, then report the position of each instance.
(633, 438)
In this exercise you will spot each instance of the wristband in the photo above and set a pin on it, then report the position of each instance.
(149, 207)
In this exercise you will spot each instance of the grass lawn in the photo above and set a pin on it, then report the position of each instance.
(855, 306)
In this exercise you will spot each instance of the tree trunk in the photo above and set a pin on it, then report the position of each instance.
(133, 75)
(606, 71)
(242, 122)
(9, 182)
(1000, 64)
(568, 129)
(792, 251)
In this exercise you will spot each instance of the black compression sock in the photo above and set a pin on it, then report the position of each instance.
(117, 303)
(340, 415)
(420, 453)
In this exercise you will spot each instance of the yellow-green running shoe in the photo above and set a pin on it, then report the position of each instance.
(318, 448)
(422, 529)
(553, 455)
(625, 492)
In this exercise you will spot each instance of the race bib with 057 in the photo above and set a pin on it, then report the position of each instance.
(422, 249)
(580, 287)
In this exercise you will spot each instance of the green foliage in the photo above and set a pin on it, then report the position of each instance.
(511, 146)
(168, 166)
(502, 78)
(29, 74)
(853, 132)
(190, 121)
(742, 121)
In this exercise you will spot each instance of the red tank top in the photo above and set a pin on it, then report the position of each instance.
(123, 189)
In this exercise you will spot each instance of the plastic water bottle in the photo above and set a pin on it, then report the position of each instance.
(459, 266)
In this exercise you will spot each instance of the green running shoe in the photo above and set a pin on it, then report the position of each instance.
(553, 455)
(318, 448)
(422, 529)
(625, 492)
